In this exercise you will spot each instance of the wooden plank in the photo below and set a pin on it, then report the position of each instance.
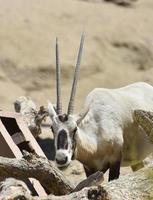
(10, 149)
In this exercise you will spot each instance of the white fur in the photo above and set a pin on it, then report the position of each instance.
(108, 127)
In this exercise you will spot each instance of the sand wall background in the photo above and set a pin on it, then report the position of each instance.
(118, 47)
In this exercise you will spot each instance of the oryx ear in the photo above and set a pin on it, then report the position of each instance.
(51, 110)
(81, 116)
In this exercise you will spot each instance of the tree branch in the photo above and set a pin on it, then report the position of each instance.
(34, 166)
(137, 185)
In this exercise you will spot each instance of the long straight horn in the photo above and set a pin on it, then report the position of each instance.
(76, 77)
(58, 81)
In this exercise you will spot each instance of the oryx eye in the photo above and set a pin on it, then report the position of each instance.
(52, 129)
(74, 132)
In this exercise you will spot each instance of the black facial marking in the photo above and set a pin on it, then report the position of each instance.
(74, 132)
(74, 143)
(62, 140)
(63, 118)
(52, 129)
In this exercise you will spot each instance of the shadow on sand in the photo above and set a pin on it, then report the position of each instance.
(47, 146)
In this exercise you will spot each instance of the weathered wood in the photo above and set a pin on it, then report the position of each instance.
(34, 166)
(145, 120)
(94, 180)
(14, 189)
(137, 185)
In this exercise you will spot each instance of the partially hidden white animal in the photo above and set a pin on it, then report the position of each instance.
(104, 136)
(32, 116)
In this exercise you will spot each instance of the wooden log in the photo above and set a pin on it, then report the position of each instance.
(145, 120)
(93, 180)
(34, 166)
(14, 189)
(137, 185)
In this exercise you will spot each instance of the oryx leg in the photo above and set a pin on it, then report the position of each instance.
(114, 169)
(89, 172)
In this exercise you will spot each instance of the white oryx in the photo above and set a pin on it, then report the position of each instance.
(104, 136)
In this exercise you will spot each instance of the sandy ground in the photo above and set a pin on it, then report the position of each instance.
(118, 50)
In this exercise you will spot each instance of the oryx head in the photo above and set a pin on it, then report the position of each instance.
(64, 126)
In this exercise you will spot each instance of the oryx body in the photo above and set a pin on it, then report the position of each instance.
(104, 135)
(108, 132)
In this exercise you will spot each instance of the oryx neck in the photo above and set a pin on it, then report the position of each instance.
(86, 145)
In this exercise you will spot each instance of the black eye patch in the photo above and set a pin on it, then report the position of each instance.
(62, 140)
(52, 129)
(74, 132)
(74, 143)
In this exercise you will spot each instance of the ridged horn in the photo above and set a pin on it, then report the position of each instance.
(58, 81)
(76, 77)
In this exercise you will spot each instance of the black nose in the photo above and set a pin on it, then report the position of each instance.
(62, 162)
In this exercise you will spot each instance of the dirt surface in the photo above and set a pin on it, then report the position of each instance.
(118, 49)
